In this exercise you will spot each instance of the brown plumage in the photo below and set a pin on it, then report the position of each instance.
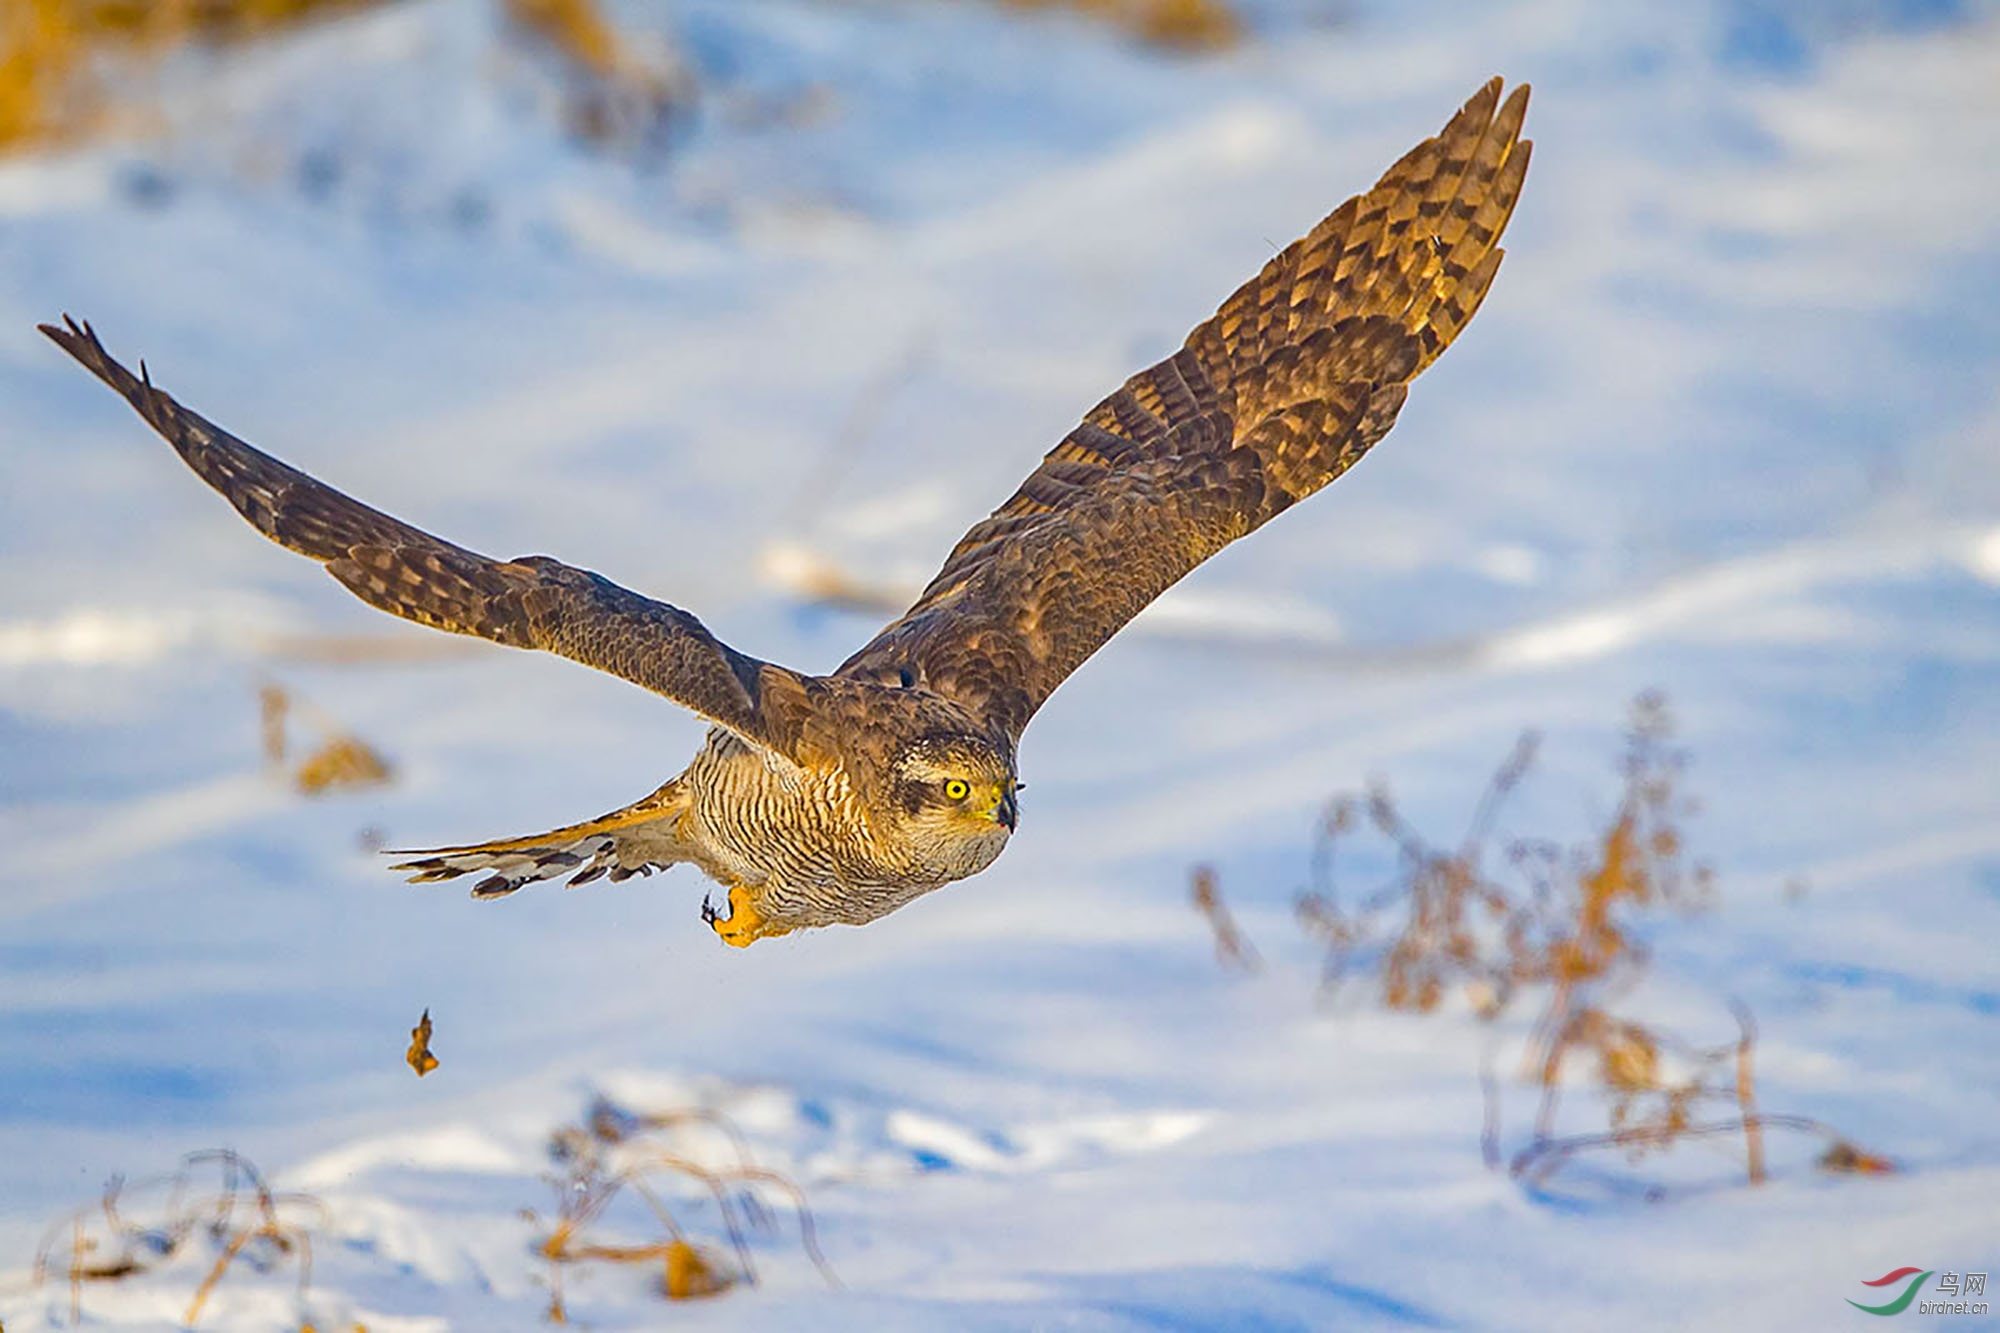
(837, 798)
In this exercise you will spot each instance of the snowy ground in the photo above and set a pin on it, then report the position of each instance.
(1728, 426)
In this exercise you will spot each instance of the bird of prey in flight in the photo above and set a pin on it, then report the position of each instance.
(838, 798)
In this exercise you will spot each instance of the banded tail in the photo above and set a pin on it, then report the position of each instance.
(636, 840)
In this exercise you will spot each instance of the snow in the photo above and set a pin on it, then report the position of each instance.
(1728, 426)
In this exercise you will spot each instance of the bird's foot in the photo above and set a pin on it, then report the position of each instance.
(744, 925)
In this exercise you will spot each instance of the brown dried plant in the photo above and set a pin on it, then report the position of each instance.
(1576, 938)
(1650, 1109)
(340, 760)
(274, 706)
(62, 62)
(419, 1056)
(619, 97)
(615, 1151)
(1563, 925)
(344, 761)
(1458, 927)
(1561, 920)
(242, 1218)
(1651, 1112)
(1232, 947)
(1179, 25)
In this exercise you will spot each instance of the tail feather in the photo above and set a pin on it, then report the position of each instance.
(636, 840)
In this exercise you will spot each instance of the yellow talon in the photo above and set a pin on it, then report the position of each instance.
(744, 925)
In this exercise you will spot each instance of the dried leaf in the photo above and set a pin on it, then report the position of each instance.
(1845, 1158)
(419, 1055)
(690, 1275)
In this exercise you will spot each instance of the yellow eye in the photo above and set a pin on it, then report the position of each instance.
(956, 789)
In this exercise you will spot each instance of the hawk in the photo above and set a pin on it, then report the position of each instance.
(838, 798)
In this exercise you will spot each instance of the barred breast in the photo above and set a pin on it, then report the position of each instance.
(798, 836)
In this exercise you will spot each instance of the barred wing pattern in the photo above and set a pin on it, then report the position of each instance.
(530, 602)
(1297, 376)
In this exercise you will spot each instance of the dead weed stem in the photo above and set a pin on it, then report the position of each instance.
(242, 1217)
(1563, 924)
(614, 1151)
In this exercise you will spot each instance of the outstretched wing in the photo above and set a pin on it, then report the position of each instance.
(530, 602)
(1296, 376)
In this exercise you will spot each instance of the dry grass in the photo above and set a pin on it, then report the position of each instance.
(615, 1152)
(61, 60)
(1561, 918)
(39, 52)
(618, 97)
(220, 1199)
(339, 760)
(1232, 948)
(63, 63)
(1563, 925)
(136, 1228)
(1179, 25)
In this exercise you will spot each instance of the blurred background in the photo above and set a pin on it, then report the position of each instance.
(754, 305)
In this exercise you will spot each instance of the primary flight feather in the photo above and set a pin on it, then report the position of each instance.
(822, 799)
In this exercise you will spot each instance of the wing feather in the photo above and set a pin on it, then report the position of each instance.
(1298, 374)
(528, 602)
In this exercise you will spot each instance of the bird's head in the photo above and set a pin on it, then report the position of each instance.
(956, 799)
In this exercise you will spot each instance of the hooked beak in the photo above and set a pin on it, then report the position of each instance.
(1006, 810)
